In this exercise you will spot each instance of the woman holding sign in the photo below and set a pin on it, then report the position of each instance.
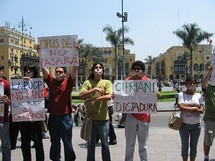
(97, 92)
(31, 129)
(137, 124)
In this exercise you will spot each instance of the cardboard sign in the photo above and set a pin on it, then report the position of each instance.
(27, 100)
(135, 96)
(58, 51)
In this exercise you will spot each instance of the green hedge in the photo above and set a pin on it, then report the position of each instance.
(166, 95)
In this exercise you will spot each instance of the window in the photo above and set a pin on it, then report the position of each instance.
(1, 40)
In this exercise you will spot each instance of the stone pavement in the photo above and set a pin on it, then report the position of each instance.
(163, 143)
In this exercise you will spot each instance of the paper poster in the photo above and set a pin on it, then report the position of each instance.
(58, 51)
(27, 100)
(135, 96)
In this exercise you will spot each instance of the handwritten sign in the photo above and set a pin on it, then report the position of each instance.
(1, 103)
(58, 51)
(135, 96)
(213, 63)
(27, 100)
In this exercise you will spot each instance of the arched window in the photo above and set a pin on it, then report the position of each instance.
(195, 67)
(201, 67)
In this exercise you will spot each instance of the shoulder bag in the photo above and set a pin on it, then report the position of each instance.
(175, 120)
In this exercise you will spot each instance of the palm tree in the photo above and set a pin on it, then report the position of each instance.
(86, 52)
(192, 35)
(115, 39)
(149, 61)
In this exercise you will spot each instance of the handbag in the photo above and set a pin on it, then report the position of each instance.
(86, 128)
(175, 121)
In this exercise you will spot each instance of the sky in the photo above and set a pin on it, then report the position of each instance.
(151, 22)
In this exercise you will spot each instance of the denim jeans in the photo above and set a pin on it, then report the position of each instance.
(60, 127)
(189, 132)
(5, 140)
(101, 129)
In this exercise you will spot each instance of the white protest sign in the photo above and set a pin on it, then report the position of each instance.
(27, 100)
(1, 103)
(213, 63)
(58, 51)
(135, 96)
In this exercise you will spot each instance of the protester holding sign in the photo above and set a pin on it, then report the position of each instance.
(209, 115)
(137, 124)
(31, 129)
(60, 121)
(96, 91)
(4, 121)
(63, 53)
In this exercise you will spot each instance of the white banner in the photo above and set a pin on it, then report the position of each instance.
(135, 96)
(27, 100)
(58, 51)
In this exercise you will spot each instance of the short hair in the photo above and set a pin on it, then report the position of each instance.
(138, 63)
(64, 69)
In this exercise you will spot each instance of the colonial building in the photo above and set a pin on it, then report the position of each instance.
(171, 65)
(17, 48)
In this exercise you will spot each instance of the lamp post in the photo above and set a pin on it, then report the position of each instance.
(24, 27)
(12, 63)
(124, 16)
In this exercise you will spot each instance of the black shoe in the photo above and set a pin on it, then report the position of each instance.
(112, 142)
(206, 160)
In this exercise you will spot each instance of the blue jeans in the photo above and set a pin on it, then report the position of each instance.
(60, 127)
(101, 129)
(5, 139)
(189, 132)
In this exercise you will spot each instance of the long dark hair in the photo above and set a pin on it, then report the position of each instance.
(92, 69)
(33, 68)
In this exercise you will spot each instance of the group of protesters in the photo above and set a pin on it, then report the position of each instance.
(97, 93)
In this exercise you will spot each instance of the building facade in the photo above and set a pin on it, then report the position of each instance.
(172, 65)
(16, 50)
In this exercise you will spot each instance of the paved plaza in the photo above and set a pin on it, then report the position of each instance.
(163, 143)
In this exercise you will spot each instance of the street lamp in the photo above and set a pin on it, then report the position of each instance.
(24, 27)
(124, 16)
(12, 63)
